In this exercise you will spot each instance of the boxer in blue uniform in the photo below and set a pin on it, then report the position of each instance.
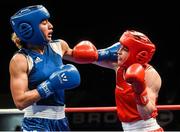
(38, 77)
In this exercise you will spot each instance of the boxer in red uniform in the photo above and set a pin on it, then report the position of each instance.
(137, 82)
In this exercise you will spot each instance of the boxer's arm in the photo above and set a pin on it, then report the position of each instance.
(153, 83)
(71, 55)
(90, 55)
(106, 64)
(22, 96)
(67, 52)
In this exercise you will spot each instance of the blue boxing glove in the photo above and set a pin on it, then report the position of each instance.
(109, 53)
(67, 77)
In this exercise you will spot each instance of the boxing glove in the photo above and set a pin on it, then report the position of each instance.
(85, 52)
(109, 53)
(135, 75)
(67, 77)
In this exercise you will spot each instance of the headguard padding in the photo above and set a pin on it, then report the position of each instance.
(141, 49)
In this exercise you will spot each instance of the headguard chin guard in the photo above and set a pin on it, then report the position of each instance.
(141, 49)
(25, 24)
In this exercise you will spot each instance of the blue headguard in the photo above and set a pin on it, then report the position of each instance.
(25, 24)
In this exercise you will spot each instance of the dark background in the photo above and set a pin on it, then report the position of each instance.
(103, 22)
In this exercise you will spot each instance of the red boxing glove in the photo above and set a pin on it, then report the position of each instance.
(135, 75)
(85, 52)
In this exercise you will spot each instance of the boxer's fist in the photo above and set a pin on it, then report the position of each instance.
(135, 75)
(109, 53)
(67, 77)
(85, 52)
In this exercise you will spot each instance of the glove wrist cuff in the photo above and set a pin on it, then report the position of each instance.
(142, 99)
(44, 90)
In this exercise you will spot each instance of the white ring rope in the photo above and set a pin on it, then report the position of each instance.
(11, 111)
(90, 109)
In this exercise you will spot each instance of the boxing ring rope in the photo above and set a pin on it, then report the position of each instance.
(91, 109)
(113, 109)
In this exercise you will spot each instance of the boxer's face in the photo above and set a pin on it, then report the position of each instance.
(47, 29)
(122, 55)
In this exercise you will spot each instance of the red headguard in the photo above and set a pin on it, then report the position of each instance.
(141, 49)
